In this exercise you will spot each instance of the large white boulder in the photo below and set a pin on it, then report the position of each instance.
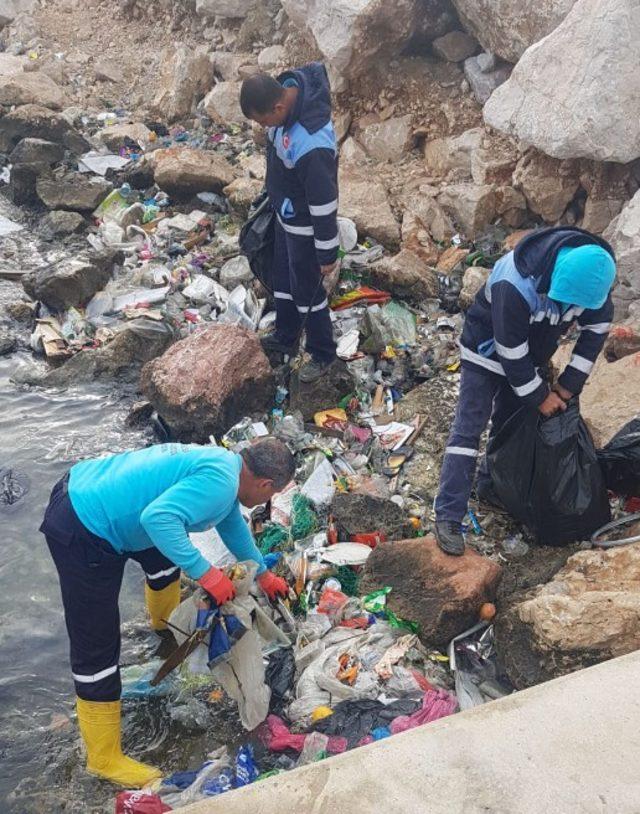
(509, 27)
(624, 235)
(576, 93)
(350, 34)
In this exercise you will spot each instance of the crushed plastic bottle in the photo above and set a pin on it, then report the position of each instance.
(515, 546)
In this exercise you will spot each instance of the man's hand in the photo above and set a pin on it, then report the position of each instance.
(552, 405)
(326, 270)
(272, 585)
(563, 392)
(218, 585)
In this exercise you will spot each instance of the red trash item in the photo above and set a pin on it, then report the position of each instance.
(276, 737)
(140, 802)
(332, 602)
(370, 538)
(435, 704)
(358, 623)
(632, 505)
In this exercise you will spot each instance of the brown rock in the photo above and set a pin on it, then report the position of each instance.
(388, 140)
(589, 612)
(623, 340)
(186, 77)
(405, 277)
(352, 153)
(231, 67)
(416, 239)
(474, 279)
(222, 103)
(113, 137)
(36, 121)
(494, 162)
(450, 258)
(512, 240)
(31, 89)
(455, 46)
(511, 205)
(75, 191)
(205, 383)
(72, 282)
(472, 207)
(242, 192)
(548, 184)
(424, 206)
(452, 155)
(185, 171)
(606, 185)
(364, 200)
(442, 594)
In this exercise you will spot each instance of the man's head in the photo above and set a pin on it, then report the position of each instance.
(582, 276)
(268, 468)
(265, 101)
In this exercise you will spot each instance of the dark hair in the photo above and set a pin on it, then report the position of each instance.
(270, 458)
(259, 94)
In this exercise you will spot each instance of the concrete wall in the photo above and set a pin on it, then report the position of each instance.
(571, 746)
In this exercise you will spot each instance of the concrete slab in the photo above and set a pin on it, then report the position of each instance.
(571, 746)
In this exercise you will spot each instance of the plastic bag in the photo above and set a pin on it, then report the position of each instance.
(620, 460)
(320, 487)
(546, 473)
(276, 737)
(140, 802)
(279, 676)
(435, 704)
(357, 719)
(256, 242)
(391, 324)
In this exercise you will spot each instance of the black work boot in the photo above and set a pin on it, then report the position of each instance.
(312, 370)
(449, 537)
(271, 343)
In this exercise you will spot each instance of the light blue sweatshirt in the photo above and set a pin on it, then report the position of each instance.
(156, 496)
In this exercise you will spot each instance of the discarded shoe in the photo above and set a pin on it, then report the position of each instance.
(312, 370)
(450, 538)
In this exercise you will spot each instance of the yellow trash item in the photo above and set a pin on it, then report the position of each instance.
(161, 604)
(99, 723)
(319, 713)
(325, 417)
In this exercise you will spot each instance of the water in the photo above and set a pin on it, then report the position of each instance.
(41, 434)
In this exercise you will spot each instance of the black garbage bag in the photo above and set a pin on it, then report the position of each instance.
(279, 676)
(354, 720)
(257, 238)
(620, 460)
(546, 473)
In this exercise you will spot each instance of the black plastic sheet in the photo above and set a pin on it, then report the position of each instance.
(256, 241)
(620, 460)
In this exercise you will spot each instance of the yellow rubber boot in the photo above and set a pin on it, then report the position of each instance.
(161, 604)
(99, 723)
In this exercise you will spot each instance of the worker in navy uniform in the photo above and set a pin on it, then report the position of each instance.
(302, 185)
(554, 278)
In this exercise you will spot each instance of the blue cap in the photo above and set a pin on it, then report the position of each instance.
(582, 276)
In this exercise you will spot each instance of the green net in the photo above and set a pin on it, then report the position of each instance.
(273, 535)
(349, 580)
(304, 520)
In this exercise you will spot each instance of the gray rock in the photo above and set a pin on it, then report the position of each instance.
(624, 235)
(232, 9)
(139, 341)
(236, 272)
(222, 103)
(10, 9)
(484, 83)
(508, 28)
(74, 190)
(472, 207)
(453, 154)
(455, 46)
(543, 105)
(8, 343)
(352, 37)
(70, 282)
(388, 140)
(548, 184)
(60, 223)
(35, 121)
(37, 151)
(364, 200)
(269, 57)
(22, 184)
(325, 392)
(363, 514)
(31, 89)
(488, 62)
(184, 80)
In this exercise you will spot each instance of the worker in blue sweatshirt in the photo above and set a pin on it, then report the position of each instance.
(554, 278)
(142, 505)
(302, 185)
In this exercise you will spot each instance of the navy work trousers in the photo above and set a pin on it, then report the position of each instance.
(299, 293)
(483, 396)
(90, 572)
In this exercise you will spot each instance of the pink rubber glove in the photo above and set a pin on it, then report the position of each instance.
(218, 585)
(272, 585)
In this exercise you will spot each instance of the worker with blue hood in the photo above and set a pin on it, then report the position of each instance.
(302, 185)
(554, 278)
